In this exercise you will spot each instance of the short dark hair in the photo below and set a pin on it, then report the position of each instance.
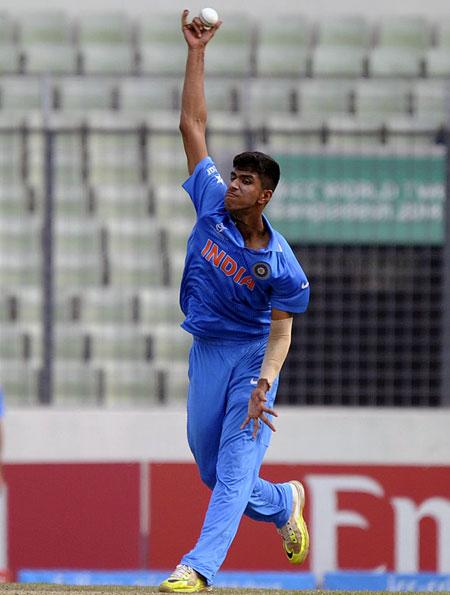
(259, 163)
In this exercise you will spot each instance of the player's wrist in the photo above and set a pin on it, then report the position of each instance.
(264, 384)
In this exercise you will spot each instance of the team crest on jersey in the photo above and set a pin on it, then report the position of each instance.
(261, 270)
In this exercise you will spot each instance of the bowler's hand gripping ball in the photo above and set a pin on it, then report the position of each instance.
(208, 17)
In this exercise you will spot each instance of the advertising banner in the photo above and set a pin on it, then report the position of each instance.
(366, 517)
(3, 533)
(364, 198)
(371, 518)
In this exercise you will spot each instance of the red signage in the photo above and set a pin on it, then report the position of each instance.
(360, 517)
(100, 516)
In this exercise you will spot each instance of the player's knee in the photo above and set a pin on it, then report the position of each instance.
(209, 477)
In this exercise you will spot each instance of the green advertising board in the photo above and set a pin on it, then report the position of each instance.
(376, 197)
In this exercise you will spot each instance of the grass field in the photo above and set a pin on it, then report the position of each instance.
(42, 589)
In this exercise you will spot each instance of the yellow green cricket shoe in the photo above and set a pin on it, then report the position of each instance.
(295, 532)
(184, 579)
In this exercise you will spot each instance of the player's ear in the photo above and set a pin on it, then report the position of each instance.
(265, 196)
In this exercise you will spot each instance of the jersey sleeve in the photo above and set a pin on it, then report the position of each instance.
(290, 292)
(205, 187)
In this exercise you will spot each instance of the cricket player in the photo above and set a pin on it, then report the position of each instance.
(240, 287)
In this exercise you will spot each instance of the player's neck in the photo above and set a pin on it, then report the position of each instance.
(253, 229)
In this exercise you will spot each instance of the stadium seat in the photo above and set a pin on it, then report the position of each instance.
(228, 134)
(72, 202)
(175, 382)
(379, 99)
(107, 306)
(135, 254)
(16, 199)
(289, 60)
(411, 32)
(45, 58)
(159, 27)
(115, 150)
(20, 252)
(7, 28)
(70, 343)
(232, 60)
(81, 94)
(159, 305)
(287, 30)
(170, 344)
(120, 343)
(110, 59)
(145, 95)
(437, 62)
(79, 237)
(172, 203)
(431, 99)
(176, 234)
(162, 59)
(29, 305)
(130, 385)
(224, 95)
(166, 160)
(264, 98)
(114, 203)
(282, 45)
(353, 132)
(8, 308)
(51, 27)
(79, 259)
(74, 272)
(12, 151)
(10, 59)
(344, 31)
(411, 133)
(20, 343)
(442, 31)
(76, 384)
(22, 94)
(104, 27)
(19, 383)
(322, 98)
(339, 61)
(290, 134)
(13, 343)
(238, 29)
(69, 164)
(395, 62)
(67, 306)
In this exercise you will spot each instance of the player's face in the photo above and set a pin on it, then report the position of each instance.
(244, 191)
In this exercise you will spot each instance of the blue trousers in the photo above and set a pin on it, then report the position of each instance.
(228, 458)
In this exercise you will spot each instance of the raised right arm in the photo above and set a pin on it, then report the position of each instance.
(193, 104)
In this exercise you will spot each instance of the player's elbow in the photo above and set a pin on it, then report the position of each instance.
(192, 125)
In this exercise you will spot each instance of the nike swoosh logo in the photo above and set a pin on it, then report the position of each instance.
(305, 285)
(254, 381)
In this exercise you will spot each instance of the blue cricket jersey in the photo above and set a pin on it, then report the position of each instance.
(228, 290)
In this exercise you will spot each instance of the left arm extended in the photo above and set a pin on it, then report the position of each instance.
(276, 352)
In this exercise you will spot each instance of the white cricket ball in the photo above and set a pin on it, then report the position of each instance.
(208, 17)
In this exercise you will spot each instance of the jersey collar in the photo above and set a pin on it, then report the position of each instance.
(273, 245)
